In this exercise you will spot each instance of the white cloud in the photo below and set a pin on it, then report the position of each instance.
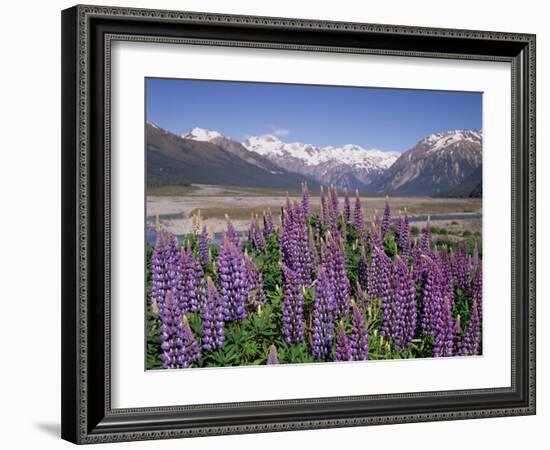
(280, 132)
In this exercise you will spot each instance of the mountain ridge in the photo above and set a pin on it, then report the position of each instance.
(436, 164)
(441, 164)
(174, 160)
(348, 167)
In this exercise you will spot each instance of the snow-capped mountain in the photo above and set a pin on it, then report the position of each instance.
(200, 134)
(210, 158)
(350, 166)
(311, 155)
(438, 163)
(440, 141)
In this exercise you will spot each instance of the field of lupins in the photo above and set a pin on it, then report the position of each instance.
(311, 288)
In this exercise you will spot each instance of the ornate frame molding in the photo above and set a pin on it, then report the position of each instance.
(86, 422)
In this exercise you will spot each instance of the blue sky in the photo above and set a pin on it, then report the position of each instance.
(387, 119)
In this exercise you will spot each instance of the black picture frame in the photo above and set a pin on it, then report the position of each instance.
(87, 32)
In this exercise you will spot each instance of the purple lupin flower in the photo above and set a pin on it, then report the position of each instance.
(343, 228)
(457, 337)
(185, 291)
(475, 257)
(334, 200)
(231, 232)
(362, 297)
(472, 336)
(159, 276)
(254, 284)
(403, 308)
(332, 213)
(375, 238)
(171, 333)
(305, 200)
(201, 287)
(191, 291)
(178, 345)
(186, 288)
(173, 264)
(335, 262)
(305, 249)
(425, 241)
(272, 357)
(444, 331)
(358, 214)
(384, 288)
(190, 350)
(286, 241)
(419, 264)
(233, 285)
(312, 248)
(295, 244)
(269, 224)
(386, 219)
(373, 275)
(328, 267)
(359, 340)
(446, 275)
(203, 247)
(378, 279)
(347, 207)
(213, 324)
(324, 208)
(318, 231)
(287, 235)
(342, 350)
(477, 291)
(363, 269)
(405, 237)
(322, 316)
(432, 297)
(255, 235)
(461, 269)
(397, 226)
(293, 308)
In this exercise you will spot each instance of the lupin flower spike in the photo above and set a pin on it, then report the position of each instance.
(386, 218)
(213, 325)
(358, 213)
(343, 350)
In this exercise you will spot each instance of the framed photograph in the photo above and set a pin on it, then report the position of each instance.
(282, 224)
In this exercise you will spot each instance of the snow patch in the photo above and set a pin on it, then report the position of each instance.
(311, 155)
(440, 141)
(201, 134)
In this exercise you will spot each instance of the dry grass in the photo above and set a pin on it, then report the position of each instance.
(215, 202)
(172, 191)
(371, 206)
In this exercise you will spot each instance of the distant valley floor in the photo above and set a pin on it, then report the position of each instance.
(176, 206)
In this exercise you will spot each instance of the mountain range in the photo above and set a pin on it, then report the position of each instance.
(176, 160)
(439, 163)
(350, 167)
(443, 164)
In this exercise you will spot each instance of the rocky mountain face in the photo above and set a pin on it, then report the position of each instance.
(437, 164)
(176, 160)
(349, 167)
(471, 186)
